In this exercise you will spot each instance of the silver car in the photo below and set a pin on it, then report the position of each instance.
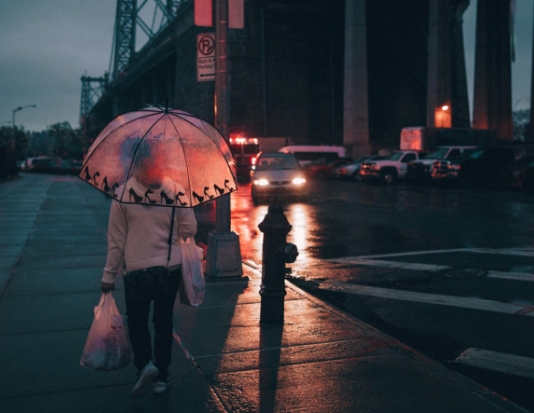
(351, 170)
(277, 175)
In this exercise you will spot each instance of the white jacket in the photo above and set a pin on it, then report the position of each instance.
(138, 234)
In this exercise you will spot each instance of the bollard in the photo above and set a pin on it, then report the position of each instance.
(276, 253)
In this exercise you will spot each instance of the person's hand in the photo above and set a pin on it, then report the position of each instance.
(107, 287)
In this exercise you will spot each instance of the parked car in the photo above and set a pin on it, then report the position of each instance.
(324, 167)
(277, 175)
(75, 167)
(351, 170)
(522, 171)
(482, 167)
(420, 171)
(38, 163)
(391, 168)
(54, 166)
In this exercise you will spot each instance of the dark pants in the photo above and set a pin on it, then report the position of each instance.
(137, 312)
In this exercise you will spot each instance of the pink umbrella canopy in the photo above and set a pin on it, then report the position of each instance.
(160, 157)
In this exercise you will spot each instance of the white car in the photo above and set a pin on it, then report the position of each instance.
(391, 168)
(277, 175)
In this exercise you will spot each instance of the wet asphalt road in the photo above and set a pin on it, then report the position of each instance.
(474, 235)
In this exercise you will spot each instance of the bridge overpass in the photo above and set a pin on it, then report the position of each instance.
(349, 72)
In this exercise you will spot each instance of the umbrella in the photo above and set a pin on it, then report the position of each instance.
(160, 157)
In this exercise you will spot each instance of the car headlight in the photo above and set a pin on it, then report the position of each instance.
(374, 167)
(298, 181)
(456, 167)
(261, 182)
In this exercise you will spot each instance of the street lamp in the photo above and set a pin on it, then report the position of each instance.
(19, 109)
(442, 116)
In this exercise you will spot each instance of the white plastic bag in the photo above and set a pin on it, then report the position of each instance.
(107, 346)
(193, 284)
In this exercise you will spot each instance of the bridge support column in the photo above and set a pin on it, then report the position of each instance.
(492, 104)
(446, 81)
(356, 112)
(530, 130)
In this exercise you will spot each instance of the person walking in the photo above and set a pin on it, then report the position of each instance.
(140, 237)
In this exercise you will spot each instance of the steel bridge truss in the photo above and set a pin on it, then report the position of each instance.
(92, 90)
(151, 17)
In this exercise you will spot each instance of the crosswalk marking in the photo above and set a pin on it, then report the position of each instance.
(501, 362)
(519, 276)
(437, 299)
(390, 264)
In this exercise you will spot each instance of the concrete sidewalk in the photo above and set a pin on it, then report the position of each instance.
(52, 251)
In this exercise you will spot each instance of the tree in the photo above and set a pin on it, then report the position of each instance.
(13, 144)
(521, 118)
(65, 141)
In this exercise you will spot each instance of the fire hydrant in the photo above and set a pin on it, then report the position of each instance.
(276, 253)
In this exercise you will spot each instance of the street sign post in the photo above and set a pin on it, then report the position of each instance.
(224, 256)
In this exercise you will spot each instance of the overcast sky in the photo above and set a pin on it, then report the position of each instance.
(46, 46)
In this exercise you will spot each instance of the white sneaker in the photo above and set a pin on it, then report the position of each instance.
(161, 386)
(146, 377)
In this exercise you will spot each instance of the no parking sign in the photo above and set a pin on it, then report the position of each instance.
(205, 57)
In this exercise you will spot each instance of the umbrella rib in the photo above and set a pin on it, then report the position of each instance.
(185, 160)
(135, 154)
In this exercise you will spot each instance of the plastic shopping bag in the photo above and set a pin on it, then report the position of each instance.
(193, 285)
(107, 346)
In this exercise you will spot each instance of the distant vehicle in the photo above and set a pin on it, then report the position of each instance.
(277, 175)
(421, 170)
(482, 167)
(308, 153)
(245, 152)
(38, 164)
(324, 167)
(351, 170)
(391, 168)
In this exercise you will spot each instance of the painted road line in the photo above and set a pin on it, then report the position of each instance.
(390, 264)
(407, 254)
(446, 300)
(527, 252)
(501, 362)
(519, 276)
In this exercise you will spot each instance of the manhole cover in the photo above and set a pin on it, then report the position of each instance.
(465, 273)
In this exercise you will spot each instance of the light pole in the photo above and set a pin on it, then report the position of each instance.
(19, 109)
(224, 256)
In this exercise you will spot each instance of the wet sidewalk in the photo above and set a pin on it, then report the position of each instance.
(52, 251)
